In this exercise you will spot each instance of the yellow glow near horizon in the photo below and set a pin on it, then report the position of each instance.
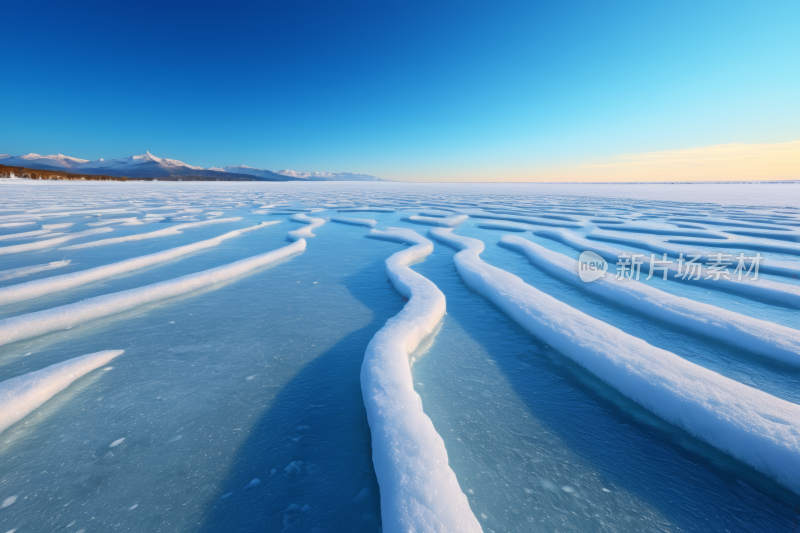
(720, 162)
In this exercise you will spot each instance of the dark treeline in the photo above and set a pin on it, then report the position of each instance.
(36, 174)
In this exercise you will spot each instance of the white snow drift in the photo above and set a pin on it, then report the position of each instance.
(166, 232)
(21, 395)
(39, 245)
(758, 336)
(750, 425)
(419, 491)
(66, 316)
(306, 231)
(40, 287)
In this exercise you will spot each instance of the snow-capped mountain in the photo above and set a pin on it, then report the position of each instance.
(328, 176)
(59, 161)
(149, 166)
(309, 176)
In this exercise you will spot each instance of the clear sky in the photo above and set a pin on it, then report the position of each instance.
(444, 91)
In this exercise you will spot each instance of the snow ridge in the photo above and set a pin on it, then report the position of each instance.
(22, 395)
(746, 423)
(758, 336)
(448, 221)
(40, 287)
(166, 232)
(18, 248)
(419, 491)
(304, 232)
(66, 316)
(783, 293)
(27, 271)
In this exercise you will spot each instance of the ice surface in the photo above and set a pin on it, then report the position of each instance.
(21, 395)
(756, 428)
(66, 316)
(519, 420)
(419, 491)
(40, 287)
(758, 336)
(166, 232)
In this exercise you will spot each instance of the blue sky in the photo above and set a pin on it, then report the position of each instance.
(403, 90)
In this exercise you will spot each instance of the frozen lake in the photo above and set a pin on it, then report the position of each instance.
(251, 395)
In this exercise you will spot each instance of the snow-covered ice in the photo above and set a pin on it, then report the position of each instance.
(683, 418)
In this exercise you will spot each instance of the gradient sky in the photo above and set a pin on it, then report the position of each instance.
(444, 91)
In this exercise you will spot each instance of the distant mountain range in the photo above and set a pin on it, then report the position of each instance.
(148, 166)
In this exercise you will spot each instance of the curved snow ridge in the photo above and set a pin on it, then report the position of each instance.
(131, 221)
(767, 265)
(531, 220)
(27, 247)
(306, 231)
(27, 234)
(782, 293)
(448, 221)
(505, 226)
(27, 271)
(728, 223)
(166, 232)
(30, 215)
(66, 316)
(666, 231)
(742, 242)
(757, 336)
(369, 222)
(22, 395)
(367, 210)
(15, 224)
(40, 287)
(419, 491)
(754, 427)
